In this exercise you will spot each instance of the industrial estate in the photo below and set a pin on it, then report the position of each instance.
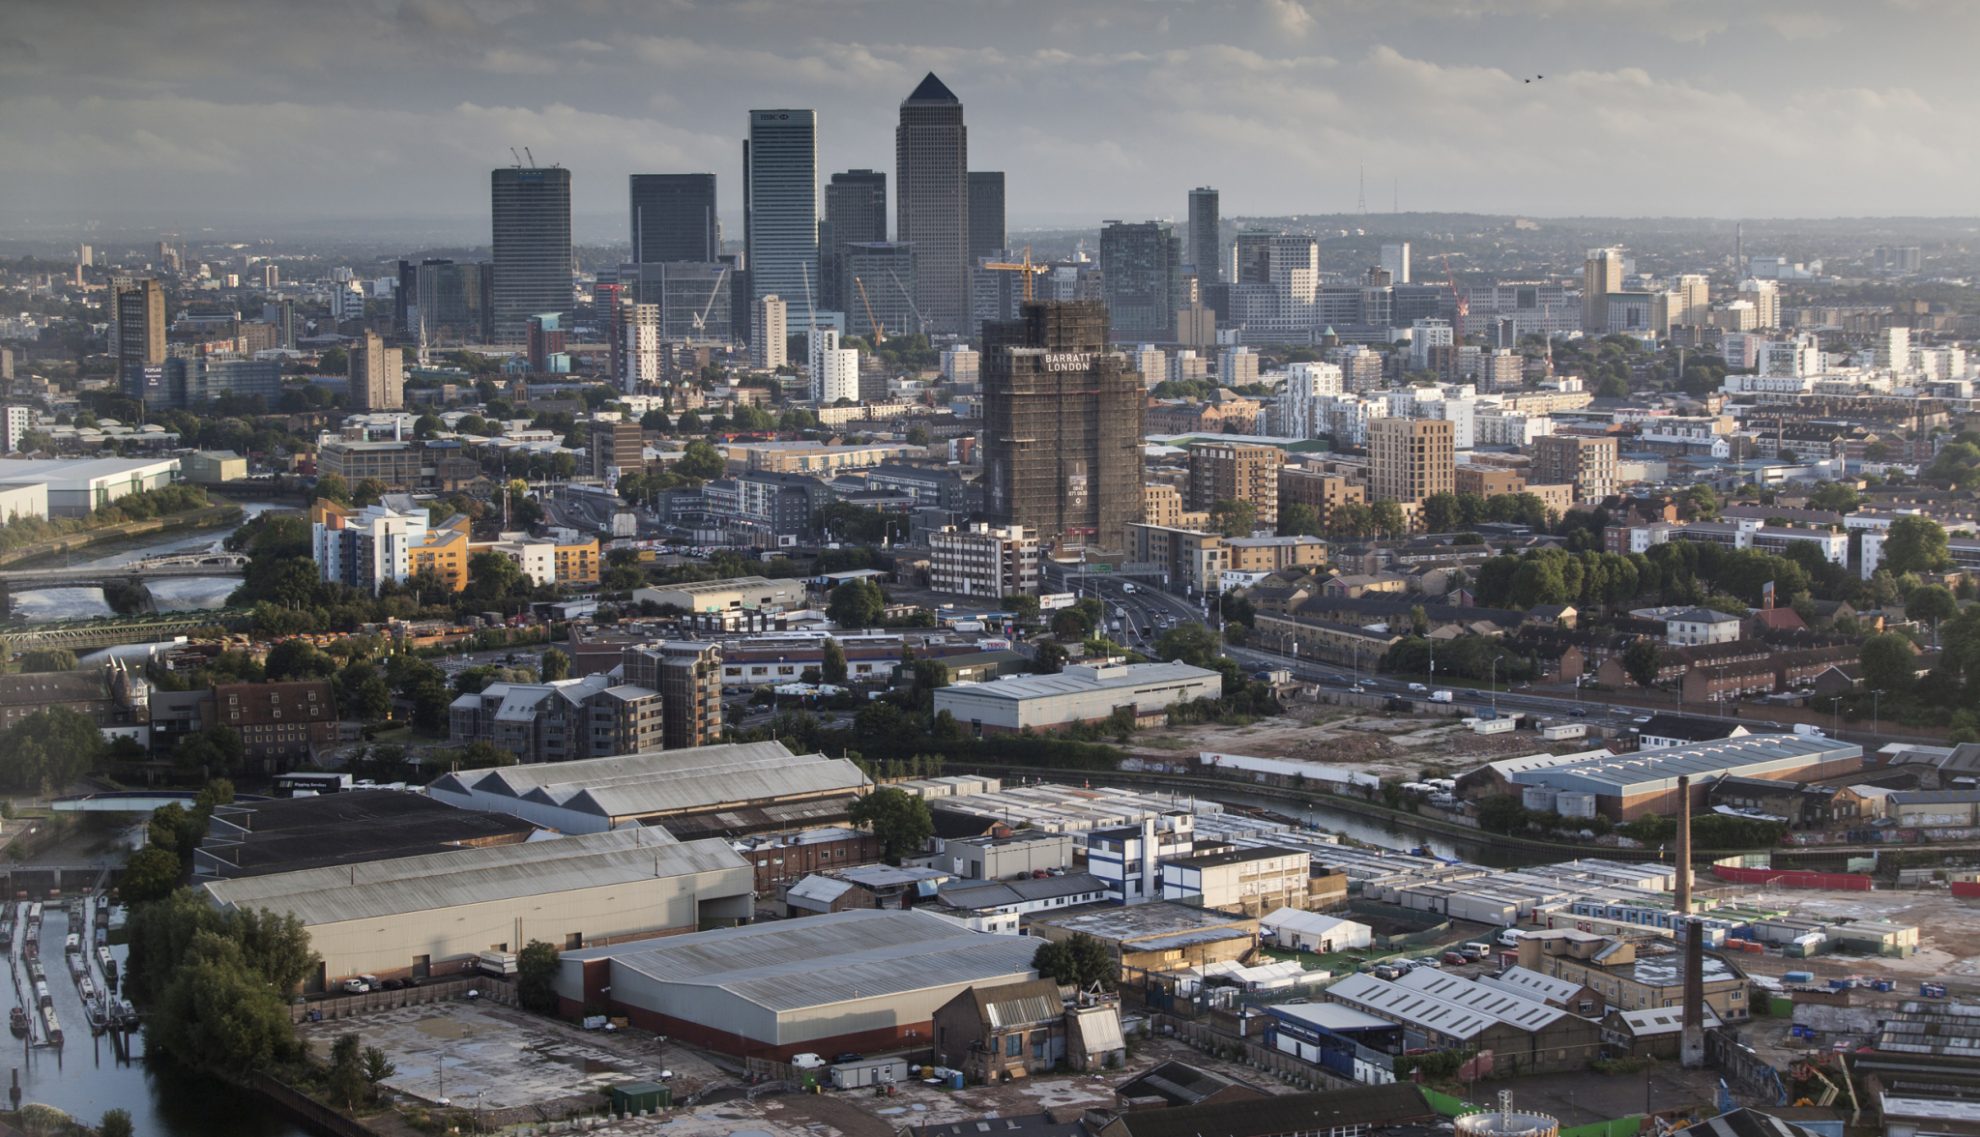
(1362, 674)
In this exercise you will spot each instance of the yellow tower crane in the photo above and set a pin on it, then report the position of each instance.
(879, 332)
(1025, 266)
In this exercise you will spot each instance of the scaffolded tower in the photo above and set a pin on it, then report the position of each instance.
(1062, 425)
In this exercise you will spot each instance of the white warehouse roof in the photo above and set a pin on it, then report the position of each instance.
(471, 876)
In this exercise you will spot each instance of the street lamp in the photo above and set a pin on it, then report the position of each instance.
(1876, 698)
(1493, 682)
(1835, 709)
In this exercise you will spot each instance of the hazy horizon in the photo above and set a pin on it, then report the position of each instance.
(217, 113)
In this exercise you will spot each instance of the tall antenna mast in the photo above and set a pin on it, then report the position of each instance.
(1361, 193)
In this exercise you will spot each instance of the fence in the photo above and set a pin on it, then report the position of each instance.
(1793, 878)
(315, 1114)
(346, 1006)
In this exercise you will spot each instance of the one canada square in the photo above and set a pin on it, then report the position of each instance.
(931, 192)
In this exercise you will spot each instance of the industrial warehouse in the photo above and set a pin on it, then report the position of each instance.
(863, 980)
(672, 788)
(1077, 695)
(432, 915)
(1629, 786)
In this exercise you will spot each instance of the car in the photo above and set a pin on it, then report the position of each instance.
(1456, 959)
(1418, 687)
(848, 1056)
(1577, 713)
(356, 986)
(1386, 971)
(1430, 961)
(1640, 719)
(807, 1061)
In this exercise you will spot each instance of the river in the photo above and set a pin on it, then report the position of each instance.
(170, 594)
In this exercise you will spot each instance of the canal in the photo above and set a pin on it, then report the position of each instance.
(169, 594)
(87, 1075)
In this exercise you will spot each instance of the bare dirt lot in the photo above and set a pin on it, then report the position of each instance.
(1948, 932)
(1384, 745)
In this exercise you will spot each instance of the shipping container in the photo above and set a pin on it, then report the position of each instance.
(869, 1072)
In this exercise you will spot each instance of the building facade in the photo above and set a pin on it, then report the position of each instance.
(780, 208)
(1411, 459)
(688, 676)
(1062, 425)
(931, 186)
(983, 561)
(674, 218)
(1141, 275)
(531, 208)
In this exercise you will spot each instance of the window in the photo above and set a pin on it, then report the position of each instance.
(1013, 1045)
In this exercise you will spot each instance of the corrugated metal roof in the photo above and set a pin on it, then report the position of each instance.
(821, 960)
(1076, 681)
(669, 781)
(469, 876)
(1531, 984)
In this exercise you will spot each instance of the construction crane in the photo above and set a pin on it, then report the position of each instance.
(1025, 266)
(920, 321)
(701, 317)
(879, 330)
(1461, 302)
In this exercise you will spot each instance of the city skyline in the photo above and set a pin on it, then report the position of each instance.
(1654, 109)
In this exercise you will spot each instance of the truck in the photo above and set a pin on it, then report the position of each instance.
(1932, 990)
(496, 963)
(1440, 696)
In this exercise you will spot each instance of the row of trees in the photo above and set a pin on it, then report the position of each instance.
(22, 531)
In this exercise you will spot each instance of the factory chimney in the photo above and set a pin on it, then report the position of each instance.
(1691, 1045)
(1684, 846)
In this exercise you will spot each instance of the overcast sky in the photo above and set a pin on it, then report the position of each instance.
(217, 111)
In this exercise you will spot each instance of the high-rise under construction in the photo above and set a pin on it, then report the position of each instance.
(1062, 418)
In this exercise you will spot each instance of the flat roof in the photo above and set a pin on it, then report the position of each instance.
(1235, 856)
(288, 834)
(1081, 680)
(473, 876)
(838, 957)
(1145, 925)
(1331, 1016)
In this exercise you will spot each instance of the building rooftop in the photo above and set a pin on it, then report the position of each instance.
(1331, 1016)
(1151, 927)
(474, 876)
(662, 781)
(821, 960)
(1332, 1111)
(1233, 856)
(1180, 1083)
(1080, 680)
(1649, 770)
(255, 838)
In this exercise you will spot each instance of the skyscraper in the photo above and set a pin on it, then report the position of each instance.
(1206, 242)
(931, 184)
(987, 236)
(140, 316)
(673, 218)
(532, 238)
(855, 214)
(1062, 419)
(1411, 458)
(834, 369)
(1141, 272)
(780, 208)
(377, 375)
(1601, 274)
(1395, 262)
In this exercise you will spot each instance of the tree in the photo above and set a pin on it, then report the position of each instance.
(1501, 813)
(1930, 604)
(1914, 544)
(150, 874)
(218, 1012)
(1078, 961)
(1190, 643)
(1387, 518)
(48, 659)
(1440, 512)
(332, 487)
(367, 492)
(832, 669)
(1890, 663)
(1640, 662)
(1837, 497)
(856, 604)
(377, 1068)
(1234, 517)
(1699, 503)
(556, 665)
(297, 659)
(699, 459)
(1049, 659)
(115, 1123)
(48, 749)
(346, 1076)
(1298, 519)
(536, 977)
(900, 820)
(1071, 624)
